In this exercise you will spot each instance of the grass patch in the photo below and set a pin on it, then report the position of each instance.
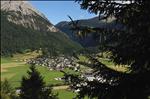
(108, 63)
(65, 94)
(15, 74)
(6, 60)
(50, 75)
(83, 58)
(28, 55)
(14, 70)
(68, 94)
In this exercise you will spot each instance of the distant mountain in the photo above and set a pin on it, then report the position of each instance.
(23, 27)
(22, 13)
(90, 40)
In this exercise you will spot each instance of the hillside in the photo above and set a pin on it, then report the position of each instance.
(23, 13)
(89, 40)
(24, 28)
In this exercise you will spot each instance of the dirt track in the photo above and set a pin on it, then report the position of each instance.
(5, 66)
(61, 87)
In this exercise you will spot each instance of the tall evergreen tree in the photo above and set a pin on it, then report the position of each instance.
(131, 48)
(33, 86)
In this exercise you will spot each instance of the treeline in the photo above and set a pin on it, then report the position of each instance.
(16, 39)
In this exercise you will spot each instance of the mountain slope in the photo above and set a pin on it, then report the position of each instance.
(23, 27)
(22, 13)
(90, 40)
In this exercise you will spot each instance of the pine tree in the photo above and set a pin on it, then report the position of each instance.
(7, 91)
(131, 48)
(33, 86)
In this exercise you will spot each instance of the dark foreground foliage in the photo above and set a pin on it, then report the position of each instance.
(7, 91)
(130, 46)
(33, 87)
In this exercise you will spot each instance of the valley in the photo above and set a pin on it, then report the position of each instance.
(44, 55)
(14, 68)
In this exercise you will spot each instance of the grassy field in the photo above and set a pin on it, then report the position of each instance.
(68, 94)
(13, 71)
(65, 94)
(13, 68)
(108, 63)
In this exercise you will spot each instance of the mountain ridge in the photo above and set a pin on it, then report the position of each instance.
(24, 15)
(89, 40)
(21, 31)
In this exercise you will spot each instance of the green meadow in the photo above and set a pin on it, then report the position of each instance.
(14, 71)
(14, 68)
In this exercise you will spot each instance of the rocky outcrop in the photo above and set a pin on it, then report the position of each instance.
(23, 13)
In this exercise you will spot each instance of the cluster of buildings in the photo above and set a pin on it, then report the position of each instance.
(57, 63)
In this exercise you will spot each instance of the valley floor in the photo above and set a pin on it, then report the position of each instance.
(14, 68)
